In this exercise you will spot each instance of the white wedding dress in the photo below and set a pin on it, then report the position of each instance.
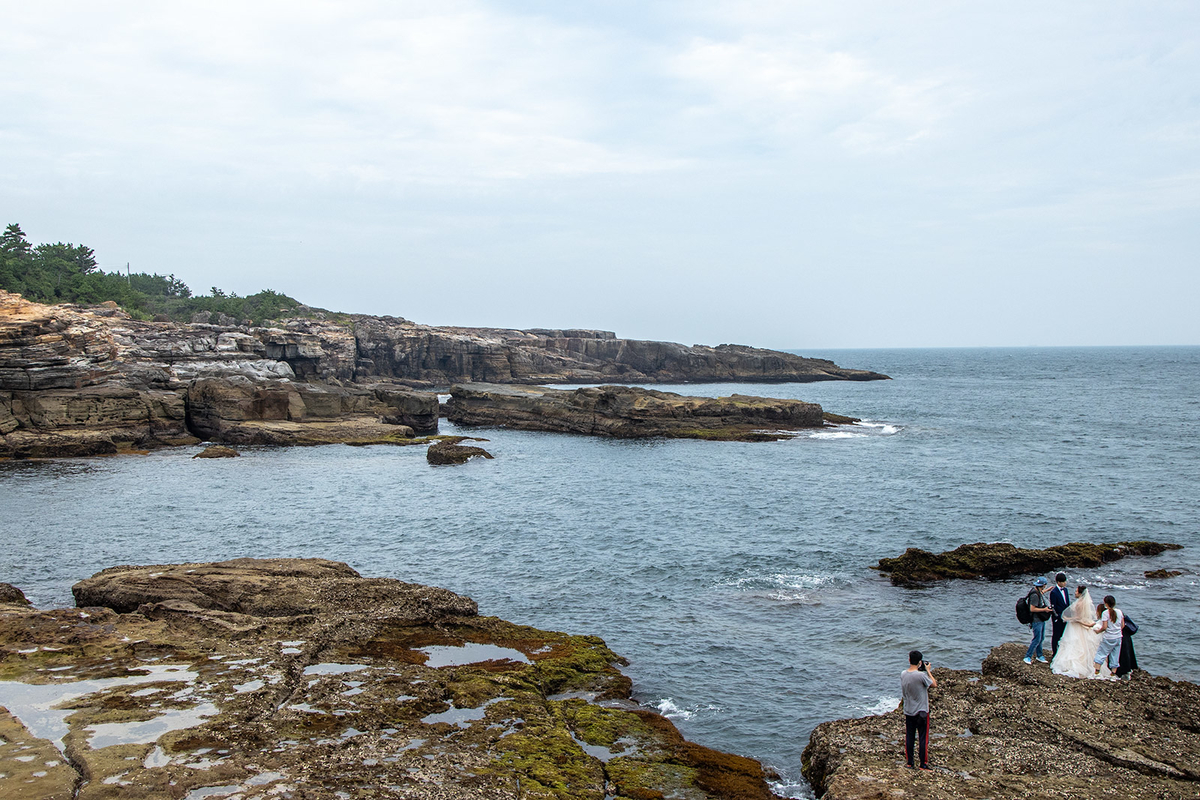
(1079, 642)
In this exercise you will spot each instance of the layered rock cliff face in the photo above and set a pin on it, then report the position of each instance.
(628, 412)
(1017, 730)
(300, 678)
(84, 381)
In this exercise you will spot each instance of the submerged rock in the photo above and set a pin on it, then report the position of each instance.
(1163, 573)
(1017, 730)
(217, 451)
(1000, 560)
(299, 678)
(630, 412)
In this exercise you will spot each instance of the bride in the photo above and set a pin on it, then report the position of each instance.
(1078, 644)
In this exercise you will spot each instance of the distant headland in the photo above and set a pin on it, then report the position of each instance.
(110, 362)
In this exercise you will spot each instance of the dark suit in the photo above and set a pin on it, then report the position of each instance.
(1059, 600)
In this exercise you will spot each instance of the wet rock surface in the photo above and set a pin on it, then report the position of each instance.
(1017, 730)
(78, 381)
(217, 451)
(11, 595)
(630, 412)
(1000, 560)
(299, 678)
(448, 451)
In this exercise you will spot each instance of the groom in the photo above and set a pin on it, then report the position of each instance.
(1060, 598)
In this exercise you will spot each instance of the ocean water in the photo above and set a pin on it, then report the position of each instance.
(734, 576)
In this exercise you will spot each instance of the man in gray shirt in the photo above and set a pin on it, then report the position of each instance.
(915, 683)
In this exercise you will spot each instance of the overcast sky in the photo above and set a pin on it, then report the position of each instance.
(782, 174)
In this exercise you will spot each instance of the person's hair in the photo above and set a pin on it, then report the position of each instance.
(914, 657)
(1080, 589)
(1061, 577)
(1111, 602)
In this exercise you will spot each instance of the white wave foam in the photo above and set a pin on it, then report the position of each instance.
(669, 709)
(884, 428)
(783, 587)
(836, 435)
(883, 705)
(780, 580)
(791, 789)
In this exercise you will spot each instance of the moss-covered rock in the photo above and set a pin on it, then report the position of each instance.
(1001, 560)
(300, 678)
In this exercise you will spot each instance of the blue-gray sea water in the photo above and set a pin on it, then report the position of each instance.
(734, 576)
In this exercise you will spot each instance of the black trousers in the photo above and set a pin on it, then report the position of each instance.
(916, 726)
(1057, 631)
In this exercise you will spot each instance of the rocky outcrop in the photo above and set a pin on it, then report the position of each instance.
(269, 587)
(238, 410)
(449, 452)
(89, 381)
(12, 596)
(389, 347)
(1000, 560)
(1016, 730)
(301, 678)
(217, 451)
(1158, 574)
(628, 412)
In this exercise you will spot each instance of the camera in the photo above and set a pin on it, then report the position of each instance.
(921, 668)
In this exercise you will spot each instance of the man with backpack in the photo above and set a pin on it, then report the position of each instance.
(1039, 611)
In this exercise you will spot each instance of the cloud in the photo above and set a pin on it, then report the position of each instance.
(372, 93)
(794, 88)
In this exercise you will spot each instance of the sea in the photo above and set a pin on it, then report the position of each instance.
(735, 577)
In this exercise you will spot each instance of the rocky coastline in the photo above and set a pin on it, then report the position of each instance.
(78, 381)
(917, 567)
(299, 678)
(625, 412)
(1017, 730)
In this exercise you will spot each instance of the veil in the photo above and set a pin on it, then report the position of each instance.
(1081, 610)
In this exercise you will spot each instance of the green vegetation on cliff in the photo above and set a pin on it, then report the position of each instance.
(68, 273)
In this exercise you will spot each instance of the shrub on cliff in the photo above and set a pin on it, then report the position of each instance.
(68, 273)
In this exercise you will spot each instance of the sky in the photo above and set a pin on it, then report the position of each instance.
(779, 174)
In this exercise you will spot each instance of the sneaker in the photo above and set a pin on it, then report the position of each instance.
(927, 768)
(1028, 660)
(1042, 659)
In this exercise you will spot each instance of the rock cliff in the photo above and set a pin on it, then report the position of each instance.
(87, 381)
(629, 412)
(1017, 730)
(300, 678)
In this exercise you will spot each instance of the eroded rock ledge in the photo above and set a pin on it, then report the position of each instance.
(1015, 731)
(90, 381)
(299, 678)
(1001, 560)
(629, 412)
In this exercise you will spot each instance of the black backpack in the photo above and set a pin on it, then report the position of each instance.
(1024, 615)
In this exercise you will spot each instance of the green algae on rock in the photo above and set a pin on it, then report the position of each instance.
(1002, 560)
(300, 678)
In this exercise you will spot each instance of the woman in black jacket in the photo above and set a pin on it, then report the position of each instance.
(1128, 662)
